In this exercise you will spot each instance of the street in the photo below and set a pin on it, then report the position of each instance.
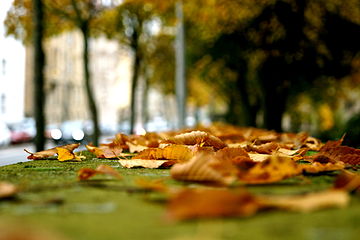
(15, 153)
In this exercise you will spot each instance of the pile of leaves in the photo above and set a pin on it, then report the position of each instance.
(223, 160)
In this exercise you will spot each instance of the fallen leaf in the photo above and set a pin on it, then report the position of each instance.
(211, 203)
(348, 181)
(344, 154)
(228, 154)
(197, 138)
(317, 167)
(86, 173)
(46, 154)
(159, 157)
(67, 155)
(7, 190)
(172, 152)
(273, 169)
(308, 202)
(146, 163)
(105, 151)
(202, 168)
(133, 148)
(258, 157)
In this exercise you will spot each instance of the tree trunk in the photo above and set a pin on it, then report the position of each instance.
(274, 108)
(233, 115)
(134, 83)
(248, 112)
(274, 76)
(88, 84)
(39, 64)
(145, 101)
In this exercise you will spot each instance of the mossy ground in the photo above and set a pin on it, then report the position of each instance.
(52, 198)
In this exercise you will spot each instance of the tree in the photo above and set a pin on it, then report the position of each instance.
(39, 62)
(61, 15)
(130, 23)
(276, 48)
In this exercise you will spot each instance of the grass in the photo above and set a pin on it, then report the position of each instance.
(52, 198)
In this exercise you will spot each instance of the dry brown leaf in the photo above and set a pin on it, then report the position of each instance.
(309, 202)
(146, 163)
(312, 143)
(258, 157)
(50, 152)
(7, 190)
(202, 168)
(105, 151)
(348, 181)
(266, 148)
(211, 203)
(273, 169)
(228, 154)
(172, 152)
(344, 154)
(86, 173)
(135, 148)
(197, 138)
(317, 167)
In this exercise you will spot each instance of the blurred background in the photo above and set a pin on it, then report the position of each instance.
(150, 65)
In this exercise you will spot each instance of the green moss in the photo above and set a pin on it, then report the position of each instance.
(104, 208)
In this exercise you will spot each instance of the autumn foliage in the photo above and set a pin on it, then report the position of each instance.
(229, 157)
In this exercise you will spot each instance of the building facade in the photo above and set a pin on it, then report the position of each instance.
(110, 67)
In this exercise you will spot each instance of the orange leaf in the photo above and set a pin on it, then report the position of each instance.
(317, 167)
(203, 167)
(66, 155)
(197, 138)
(146, 163)
(210, 203)
(105, 151)
(308, 202)
(86, 173)
(274, 169)
(344, 154)
(50, 152)
(348, 181)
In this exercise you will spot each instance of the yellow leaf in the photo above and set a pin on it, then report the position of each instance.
(66, 155)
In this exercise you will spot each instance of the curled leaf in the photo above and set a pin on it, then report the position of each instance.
(146, 163)
(273, 169)
(105, 151)
(86, 173)
(197, 138)
(210, 203)
(317, 167)
(201, 168)
(348, 181)
(67, 155)
(46, 154)
(309, 202)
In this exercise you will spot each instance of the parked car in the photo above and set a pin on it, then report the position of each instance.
(23, 131)
(70, 132)
(5, 134)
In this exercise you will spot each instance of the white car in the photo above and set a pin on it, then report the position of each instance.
(5, 134)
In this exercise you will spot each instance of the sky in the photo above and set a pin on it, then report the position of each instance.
(12, 72)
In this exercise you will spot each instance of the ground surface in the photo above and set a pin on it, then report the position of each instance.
(52, 199)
